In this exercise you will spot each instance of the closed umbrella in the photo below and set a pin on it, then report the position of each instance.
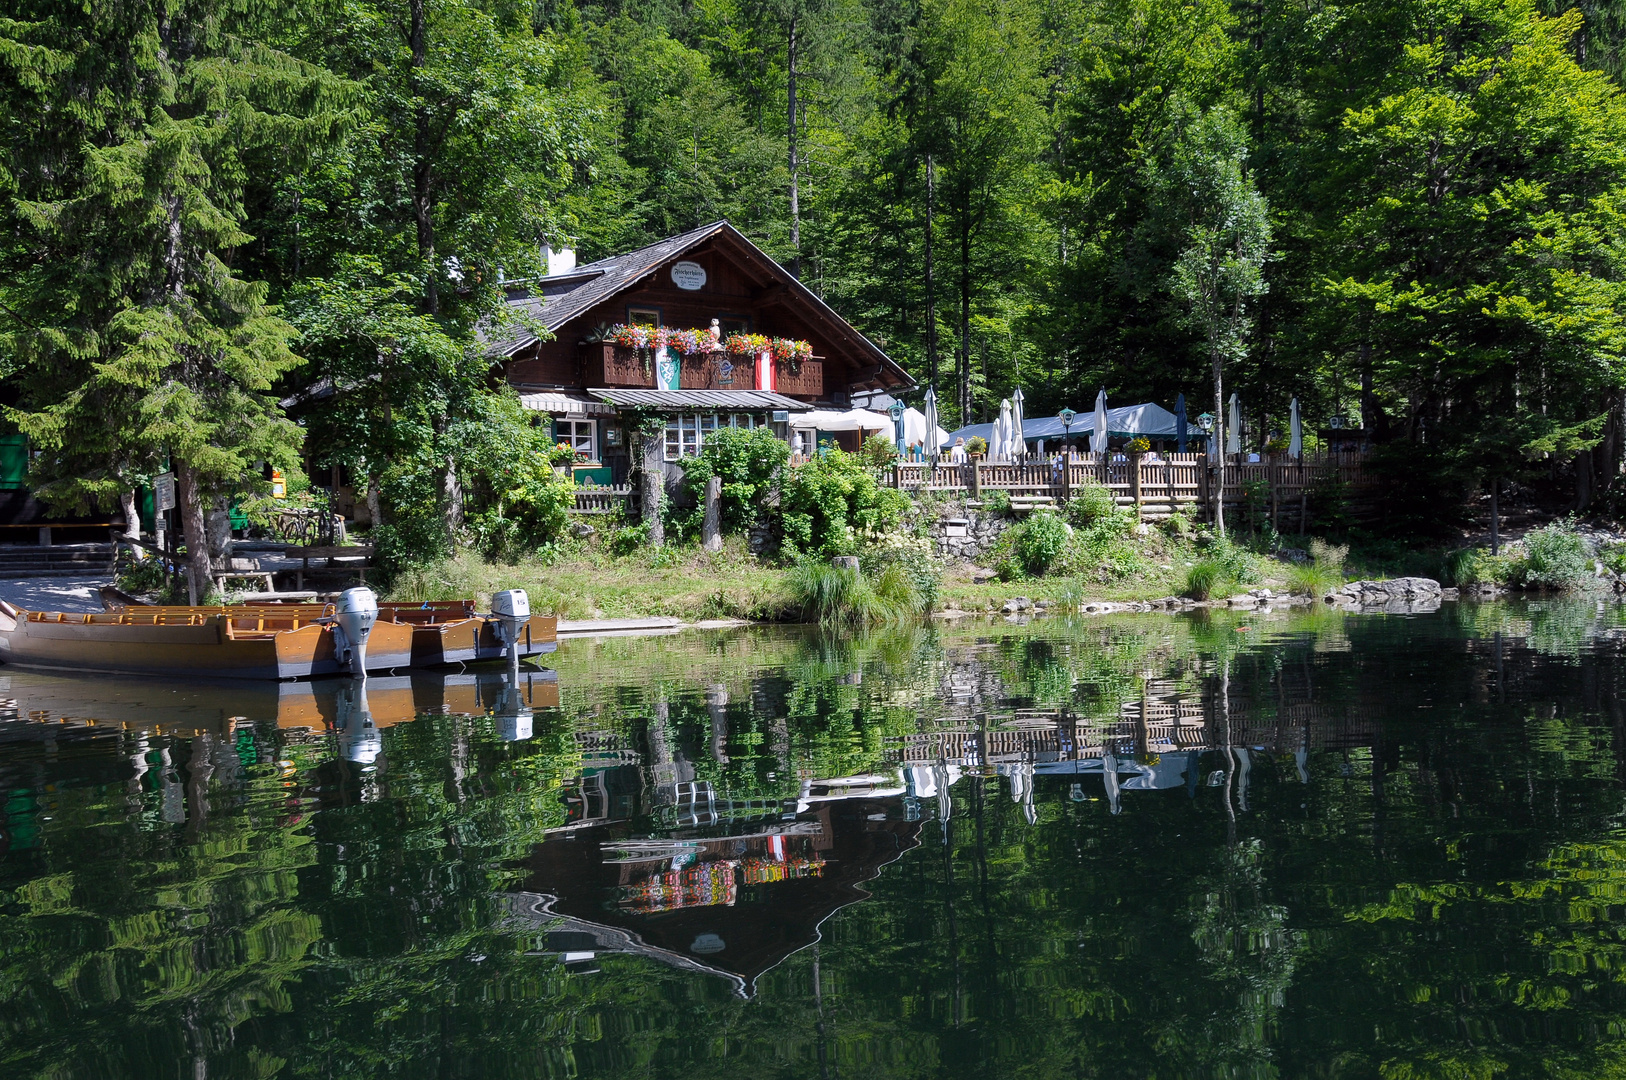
(1295, 436)
(1233, 428)
(1002, 431)
(1180, 421)
(1019, 444)
(1098, 441)
(931, 424)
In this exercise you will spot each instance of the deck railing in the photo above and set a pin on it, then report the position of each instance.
(603, 500)
(1154, 484)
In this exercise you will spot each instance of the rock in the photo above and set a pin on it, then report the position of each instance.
(1243, 601)
(845, 562)
(1296, 556)
(1022, 603)
(1261, 594)
(581, 530)
(979, 576)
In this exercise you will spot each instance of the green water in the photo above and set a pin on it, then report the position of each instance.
(1319, 845)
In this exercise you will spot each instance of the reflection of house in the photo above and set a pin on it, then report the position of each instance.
(734, 905)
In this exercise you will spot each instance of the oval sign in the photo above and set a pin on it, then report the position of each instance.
(688, 275)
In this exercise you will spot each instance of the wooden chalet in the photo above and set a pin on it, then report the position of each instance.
(712, 274)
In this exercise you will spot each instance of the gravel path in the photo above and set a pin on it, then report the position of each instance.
(55, 593)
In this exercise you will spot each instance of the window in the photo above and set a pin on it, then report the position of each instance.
(686, 434)
(637, 316)
(579, 436)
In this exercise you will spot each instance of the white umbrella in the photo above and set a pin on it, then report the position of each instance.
(1098, 441)
(1019, 445)
(1233, 428)
(1295, 436)
(931, 424)
(1002, 432)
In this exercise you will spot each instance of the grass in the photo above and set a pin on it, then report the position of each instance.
(693, 584)
(838, 596)
(1313, 579)
(1205, 579)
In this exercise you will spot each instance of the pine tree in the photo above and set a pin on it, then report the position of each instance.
(134, 131)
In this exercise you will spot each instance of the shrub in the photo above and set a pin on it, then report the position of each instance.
(826, 503)
(1459, 566)
(1331, 556)
(1038, 543)
(1556, 558)
(976, 445)
(627, 539)
(1093, 503)
(1234, 562)
(997, 502)
(746, 460)
(910, 555)
(878, 452)
(1205, 578)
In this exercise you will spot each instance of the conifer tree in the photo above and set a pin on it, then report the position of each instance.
(134, 134)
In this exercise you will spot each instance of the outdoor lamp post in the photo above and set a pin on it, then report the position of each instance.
(1066, 418)
(896, 413)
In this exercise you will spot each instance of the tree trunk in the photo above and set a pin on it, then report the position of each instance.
(795, 266)
(375, 511)
(423, 175)
(931, 287)
(1496, 517)
(965, 323)
(1219, 447)
(452, 499)
(711, 528)
(217, 527)
(189, 504)
(132, 515)
(653, 481)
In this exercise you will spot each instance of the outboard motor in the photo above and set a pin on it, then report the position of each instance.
(511, 610)
(360, 740)
(353, 619)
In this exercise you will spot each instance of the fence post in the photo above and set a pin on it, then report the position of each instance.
(1134, 483)
(976, 480)
(711, 528)
(1064, 484)
(897, 476)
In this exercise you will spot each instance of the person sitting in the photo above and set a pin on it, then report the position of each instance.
(957, 455)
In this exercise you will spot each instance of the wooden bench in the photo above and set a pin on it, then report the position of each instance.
(1026, 504)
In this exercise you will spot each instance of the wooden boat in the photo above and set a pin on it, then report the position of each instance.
(274, 641)
(452, 632)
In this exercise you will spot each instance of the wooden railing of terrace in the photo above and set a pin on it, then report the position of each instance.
(1154, 486)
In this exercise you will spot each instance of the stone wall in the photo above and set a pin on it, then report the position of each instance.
(961, 533)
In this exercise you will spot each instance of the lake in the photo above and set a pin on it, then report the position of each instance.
(1224, 844)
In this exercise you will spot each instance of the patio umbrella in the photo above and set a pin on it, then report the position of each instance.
(1295, 436)
(1019, 445)
(1233, 428)
(931, 424)
(1098, 441)
(1002, 432)
(1180, 421)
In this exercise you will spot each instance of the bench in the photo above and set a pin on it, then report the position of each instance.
(1026, 504)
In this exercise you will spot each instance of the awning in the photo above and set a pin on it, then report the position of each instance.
(570, 404)
(842, 420)
(702, 400)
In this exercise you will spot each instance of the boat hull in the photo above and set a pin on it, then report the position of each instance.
(469, 639)
(239, 646)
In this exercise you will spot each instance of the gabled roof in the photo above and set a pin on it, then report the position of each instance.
(558, 299)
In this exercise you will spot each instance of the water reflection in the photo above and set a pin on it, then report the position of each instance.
(1301, 844)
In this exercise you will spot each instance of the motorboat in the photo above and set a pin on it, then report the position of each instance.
(271, 641)
(452, 632)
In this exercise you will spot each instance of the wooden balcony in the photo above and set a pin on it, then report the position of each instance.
(612, 365)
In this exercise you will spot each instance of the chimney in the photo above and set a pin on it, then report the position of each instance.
(560, 260)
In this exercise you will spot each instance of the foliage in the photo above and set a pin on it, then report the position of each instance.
(1556, 558)
(909, 554)
(841, 596)
(826, 503)
(878, 452)
(1140, 444)
(748, 461)
(1313, 579)
(997, 503)
(1092, 504)
(976, 445)
(1206, 578)
(1038, 543)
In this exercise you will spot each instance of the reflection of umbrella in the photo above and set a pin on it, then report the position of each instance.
(1233, 428)
(1098, 441)
(1019, 445)
(1180, 421)
(1295, 438)
(931, 423)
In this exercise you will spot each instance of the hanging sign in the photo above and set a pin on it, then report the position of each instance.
(163, 492)
(690, 276)
(279, 484)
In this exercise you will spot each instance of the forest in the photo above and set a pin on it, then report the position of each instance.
(236, 232)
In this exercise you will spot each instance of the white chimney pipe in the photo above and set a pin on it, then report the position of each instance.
(561, 260)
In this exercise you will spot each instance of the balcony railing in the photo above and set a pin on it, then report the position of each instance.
(604, 364)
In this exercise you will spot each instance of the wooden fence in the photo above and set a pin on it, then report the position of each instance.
(1154, 486)
(603, 500)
